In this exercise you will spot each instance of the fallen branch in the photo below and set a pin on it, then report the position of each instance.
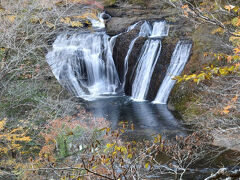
(95, 173)
(224, 172)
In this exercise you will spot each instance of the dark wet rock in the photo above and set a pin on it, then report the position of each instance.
(161, 68)
(120, 51)
(132, 61)
(121, 48)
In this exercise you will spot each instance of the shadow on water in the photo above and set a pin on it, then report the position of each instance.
(147, 118)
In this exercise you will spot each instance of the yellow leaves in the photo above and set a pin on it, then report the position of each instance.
(122, 130)
(218, 30)
(76, 21)
(87, 15)
(68, 21)
(200, 76)
(76, 24)
(13, 138)
(2, 123)
(50, 25)
(236, 21)
(105, 161)
(130, 156)
(114, 153)
(236, 50)
(208, 73)
(110, 145)
(65, 20)
(157, 139)
(121, 149)
(235, 39)
(108, 130)
(146, 165)
(194, 77)
(11, 18)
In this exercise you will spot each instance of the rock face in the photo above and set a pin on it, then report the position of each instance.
(124, 16)
(120, 50)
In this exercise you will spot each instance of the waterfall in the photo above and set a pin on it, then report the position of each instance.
(99, 22)
(160, 29)
(145, 67)
(178, 61)
(144, 31)
(147, 60)
(83, 63)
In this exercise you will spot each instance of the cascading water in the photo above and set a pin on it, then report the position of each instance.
(178, 62)
(160, 29)
(144, 31)
(83, 63)
(147, 61)
(99, 22)
(145, 67)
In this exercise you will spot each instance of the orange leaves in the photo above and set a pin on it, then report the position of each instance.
(229, 7)
(11, 18)
(226, 109)
(229, 59)
(231, 104)
(185, 6)
(236, 50)
(186, 10)
(234, 99)
(236, 21)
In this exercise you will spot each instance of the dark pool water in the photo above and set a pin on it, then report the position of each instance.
(147, 118)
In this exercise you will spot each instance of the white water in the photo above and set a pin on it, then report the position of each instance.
(178, 62)
(148, 59)
(145, 67)
(83, 63)
(144, 31)
(98, 23)
(160, 29)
